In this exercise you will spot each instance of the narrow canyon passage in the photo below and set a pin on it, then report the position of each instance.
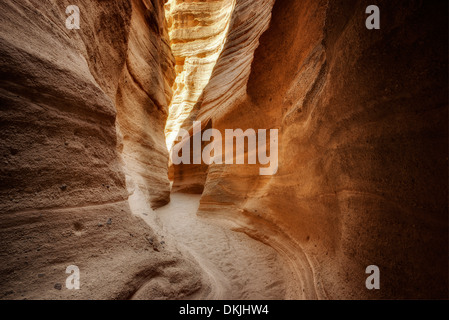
(91, 112)
(234, 265)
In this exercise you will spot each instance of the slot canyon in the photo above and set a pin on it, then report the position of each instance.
(89, 118)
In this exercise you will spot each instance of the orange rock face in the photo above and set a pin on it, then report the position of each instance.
(362, 120)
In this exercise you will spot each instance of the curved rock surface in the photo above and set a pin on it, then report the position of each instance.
(227, 81)
(142, 99)
(63, 196)
(198, 31)
(362, 120)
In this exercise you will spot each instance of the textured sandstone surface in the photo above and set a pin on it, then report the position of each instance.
(234, 265)
(227, 81)
(198, 31)
(63, 194)
(143, 95)
(362, 119)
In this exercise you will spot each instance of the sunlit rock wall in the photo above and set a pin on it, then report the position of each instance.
(198, 31)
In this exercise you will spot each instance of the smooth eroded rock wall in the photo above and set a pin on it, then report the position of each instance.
(362, 120)
(142, 100)
(63, 190)
(197, 31)
(227, 80)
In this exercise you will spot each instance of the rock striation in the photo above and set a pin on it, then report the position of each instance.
(197, 31)
(82, 113)
(142, 99)
(362, 120)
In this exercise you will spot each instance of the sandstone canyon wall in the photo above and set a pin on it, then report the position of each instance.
(143, 95)
(198, 31)
(227, 80)
(63, 195)
(362, 119)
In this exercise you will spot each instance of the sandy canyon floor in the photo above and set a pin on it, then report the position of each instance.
(234, 265)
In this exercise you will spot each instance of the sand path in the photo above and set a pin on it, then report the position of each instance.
(234, 265)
